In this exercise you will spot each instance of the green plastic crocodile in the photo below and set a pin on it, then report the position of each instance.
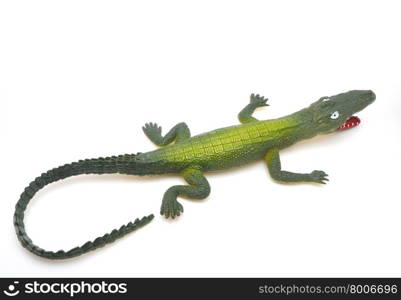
(193, 156)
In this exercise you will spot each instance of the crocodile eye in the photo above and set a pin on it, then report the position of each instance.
(335, 115)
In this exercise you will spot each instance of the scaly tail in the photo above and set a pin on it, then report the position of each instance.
(124, 164)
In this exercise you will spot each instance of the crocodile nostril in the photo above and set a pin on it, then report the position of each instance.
(373, 95)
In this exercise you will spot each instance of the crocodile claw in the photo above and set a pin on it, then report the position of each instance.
(171, 209)
(152, 128)
(319, 177)
(258, 100)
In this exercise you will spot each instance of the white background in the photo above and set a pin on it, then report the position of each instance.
(78, 79)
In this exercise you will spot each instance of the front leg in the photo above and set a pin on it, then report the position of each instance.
(245, 115)
(198, 188)
(179, 133)
(272, 158)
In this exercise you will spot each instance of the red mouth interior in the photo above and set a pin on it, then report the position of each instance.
(350, 123)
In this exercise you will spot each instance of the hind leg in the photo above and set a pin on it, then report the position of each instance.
(198, 188)
(178, 133)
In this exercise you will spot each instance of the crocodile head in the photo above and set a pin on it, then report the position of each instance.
(337, 112)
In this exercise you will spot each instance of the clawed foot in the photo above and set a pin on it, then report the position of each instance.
(319, 177)
(258, 100)
(152, 129)
(171, 209)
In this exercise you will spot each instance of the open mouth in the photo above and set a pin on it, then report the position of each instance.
(350, 123)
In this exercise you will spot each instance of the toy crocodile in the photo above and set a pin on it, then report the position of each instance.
(193, 156)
